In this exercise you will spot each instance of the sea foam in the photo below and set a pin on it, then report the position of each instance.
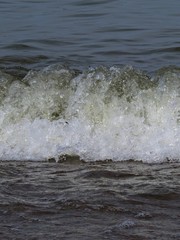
(98, 114)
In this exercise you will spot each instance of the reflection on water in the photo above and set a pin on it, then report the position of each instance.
(74, 200)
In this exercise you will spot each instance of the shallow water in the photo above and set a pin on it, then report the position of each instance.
(102, 200)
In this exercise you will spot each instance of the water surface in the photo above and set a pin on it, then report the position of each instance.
(143, 34)
(73, 200)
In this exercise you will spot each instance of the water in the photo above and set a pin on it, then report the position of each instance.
(98, 114)
(73, 200)
(89, 119)
(82, 33)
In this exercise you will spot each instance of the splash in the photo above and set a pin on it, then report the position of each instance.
(98, 114)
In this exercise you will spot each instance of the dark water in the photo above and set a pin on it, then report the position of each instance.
(97, 113)
(73, 200)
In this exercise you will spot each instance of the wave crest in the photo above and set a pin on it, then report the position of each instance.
(99, 113)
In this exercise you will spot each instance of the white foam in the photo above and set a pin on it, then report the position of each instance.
(95, 124)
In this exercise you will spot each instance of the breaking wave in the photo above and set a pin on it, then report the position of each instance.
(97, 114)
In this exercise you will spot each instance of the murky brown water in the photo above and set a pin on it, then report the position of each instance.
(100, 200)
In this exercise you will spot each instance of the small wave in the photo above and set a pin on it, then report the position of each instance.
(107, 174)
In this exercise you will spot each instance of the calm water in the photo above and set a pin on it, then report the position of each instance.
(89, 119)
(141, 33)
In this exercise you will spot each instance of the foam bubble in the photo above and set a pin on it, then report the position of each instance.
(99, 114)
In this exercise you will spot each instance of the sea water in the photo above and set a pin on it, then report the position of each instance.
(89, 119)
